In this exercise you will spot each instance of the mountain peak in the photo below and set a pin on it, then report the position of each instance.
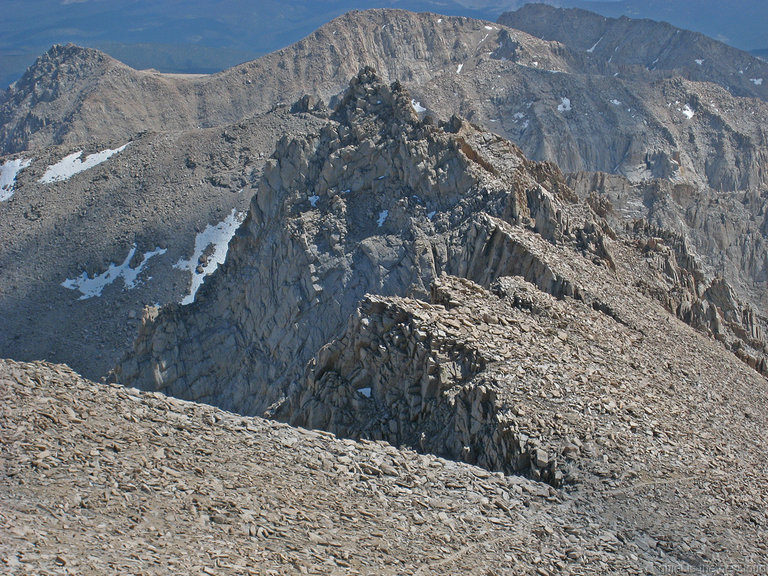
(630, 46)
(368, 93)
(66, 59)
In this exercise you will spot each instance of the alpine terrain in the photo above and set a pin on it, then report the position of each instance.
(417, 294)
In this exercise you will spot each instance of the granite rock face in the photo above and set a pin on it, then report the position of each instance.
(706, 246)
(683, 134)
(379, 201)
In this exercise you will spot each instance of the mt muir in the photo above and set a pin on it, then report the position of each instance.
(416, 295)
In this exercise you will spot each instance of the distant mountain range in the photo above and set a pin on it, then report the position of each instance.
(202, 37)
(740, 23)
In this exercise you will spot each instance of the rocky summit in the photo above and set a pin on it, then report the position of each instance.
(417, 294)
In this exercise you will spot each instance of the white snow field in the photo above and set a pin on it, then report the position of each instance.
(92, 286)
(219, 236)
(71, 165)
(8, 172)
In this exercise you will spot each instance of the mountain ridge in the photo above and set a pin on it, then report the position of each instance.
(644, 43)
(693, 135)
(514, 365)
(542, 331)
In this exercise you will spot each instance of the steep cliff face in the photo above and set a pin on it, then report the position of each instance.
(379, 201)
(557, 101)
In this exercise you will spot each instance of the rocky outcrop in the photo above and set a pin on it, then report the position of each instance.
(708, 305)
(707, 245)
(380, 202)
(412, 373)
(422, 284)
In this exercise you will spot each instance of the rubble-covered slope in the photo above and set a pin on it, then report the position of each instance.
(725, 230)
(100, 479)
(638, 414)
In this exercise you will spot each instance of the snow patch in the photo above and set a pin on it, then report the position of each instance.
(488, 27)
(313, 200)
(365, 392)
(431, 215)
(687, 112)
(90, 287)
(218, 236)
(616, 102)
(382, 218)
(439, 20)
(565, 105)
(590, 50)
(699, 61)
(71, 165)
(8, 172)
(417, 106)
(458, 69)
(756, 81)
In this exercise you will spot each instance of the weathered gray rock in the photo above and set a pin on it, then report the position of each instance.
(158, 193)
(199, 141)
(706, 247)
(635, 47)
(379, 201)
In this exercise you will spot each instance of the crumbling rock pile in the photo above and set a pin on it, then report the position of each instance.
(98, 479)
(706, 250)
